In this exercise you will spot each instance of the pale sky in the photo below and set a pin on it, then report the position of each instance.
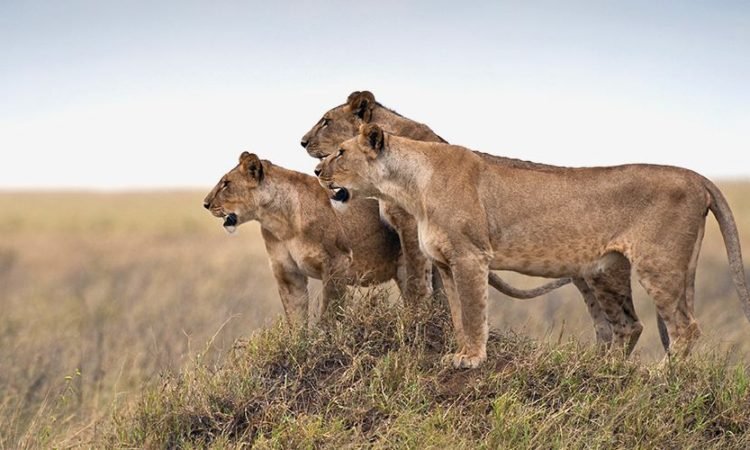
(143, 94)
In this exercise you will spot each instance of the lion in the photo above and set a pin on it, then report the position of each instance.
(594, 223)
(305, 238)
(342, 122)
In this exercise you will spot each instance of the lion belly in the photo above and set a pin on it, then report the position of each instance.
(553, 260)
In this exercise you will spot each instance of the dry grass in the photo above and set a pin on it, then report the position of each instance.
(118, 287)
(103, 295)
(370, 376)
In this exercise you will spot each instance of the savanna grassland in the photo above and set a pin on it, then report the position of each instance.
(134, 320)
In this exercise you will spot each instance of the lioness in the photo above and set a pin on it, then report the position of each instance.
(342, 122)
(592, 223)
(304, 237)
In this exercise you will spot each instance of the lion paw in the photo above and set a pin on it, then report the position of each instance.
(466, 361)
(463, 360)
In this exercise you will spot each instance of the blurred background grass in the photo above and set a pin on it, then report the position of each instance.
(103, 292)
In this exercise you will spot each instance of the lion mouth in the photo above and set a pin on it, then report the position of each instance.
(340, 194)
(314, 151)
(230, 222)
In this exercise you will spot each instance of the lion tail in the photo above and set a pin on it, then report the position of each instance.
(720, 209)
(500, 284)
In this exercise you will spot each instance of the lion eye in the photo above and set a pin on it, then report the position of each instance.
(340, 153)
(224, 185)
(325, 122)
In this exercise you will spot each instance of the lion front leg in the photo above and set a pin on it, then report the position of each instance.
(469, 277)
(334, 286)
(292, 286)
(416, 273)
(415, 270)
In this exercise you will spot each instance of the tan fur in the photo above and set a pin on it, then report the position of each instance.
(594, 224)
(304, 237)
(342, 123)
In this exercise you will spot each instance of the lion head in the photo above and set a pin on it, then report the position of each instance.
(238, 194)
(352, 169)
(339, 124)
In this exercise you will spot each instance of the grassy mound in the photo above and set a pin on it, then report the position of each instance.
(371, 375)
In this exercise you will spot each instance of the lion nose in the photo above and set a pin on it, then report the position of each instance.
(206, 205)
(317, 171)
(303, 143)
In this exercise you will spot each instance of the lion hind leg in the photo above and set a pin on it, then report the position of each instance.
(668, 289)
(602, 328)
(670, 281)
(614, 294)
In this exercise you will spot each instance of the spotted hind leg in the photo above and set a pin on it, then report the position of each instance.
(602, 328)
(613, 291)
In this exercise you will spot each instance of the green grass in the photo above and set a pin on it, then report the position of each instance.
(371, 376)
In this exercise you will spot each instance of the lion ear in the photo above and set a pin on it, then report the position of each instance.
(244, 156)
(361, 104)
(372, 137)
(251, 165)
